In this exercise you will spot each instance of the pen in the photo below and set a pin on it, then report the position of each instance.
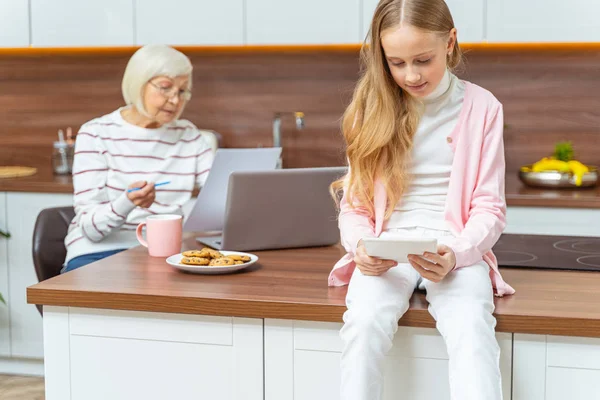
(158, 184)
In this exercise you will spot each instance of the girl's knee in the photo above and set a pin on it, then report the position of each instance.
(471, 324)
(369, 322)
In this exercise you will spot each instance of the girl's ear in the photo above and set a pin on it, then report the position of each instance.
(451, 42)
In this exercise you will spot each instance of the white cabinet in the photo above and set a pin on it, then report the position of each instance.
(368, 9)
(121, 355)
(14, 23)
(4, 315)
(25, 321)
(56, 23)
(552, 221)
(302, 22)
(543, 21)
(189, 22)
(302, 362)
(237, 22)
(556, 367)
(468, 18)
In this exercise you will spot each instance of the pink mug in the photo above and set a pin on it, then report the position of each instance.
(163, 233)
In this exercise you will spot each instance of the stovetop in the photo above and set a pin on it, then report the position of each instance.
(552, 252)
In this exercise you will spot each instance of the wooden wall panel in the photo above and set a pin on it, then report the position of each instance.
(547, 96)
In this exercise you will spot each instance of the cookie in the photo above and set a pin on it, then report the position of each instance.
(212, 253)
(195, 261)
(238, 262)
(194, 253)
(221, 262)
(239, 257)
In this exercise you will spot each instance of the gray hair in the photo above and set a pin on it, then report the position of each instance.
(149, 62)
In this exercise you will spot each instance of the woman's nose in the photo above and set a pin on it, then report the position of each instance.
(174, 99)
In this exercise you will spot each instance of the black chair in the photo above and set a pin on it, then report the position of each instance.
(48, 247)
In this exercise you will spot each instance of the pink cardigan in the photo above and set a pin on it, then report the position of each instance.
(475, 205)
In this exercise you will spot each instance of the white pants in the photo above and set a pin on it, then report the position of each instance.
(462, 305)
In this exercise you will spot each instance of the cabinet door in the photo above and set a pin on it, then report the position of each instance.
(14, 23)
(543, 21)
(121, 355)
(556, 368)
(468, 18)
(190, 22)
(4, 314)
(25, 320)
(302, 362)
(57, 23)
(302, 22)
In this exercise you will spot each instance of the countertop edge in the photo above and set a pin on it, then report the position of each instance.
(536, 324)
(512, 200)
(517, 195)
(532, 201)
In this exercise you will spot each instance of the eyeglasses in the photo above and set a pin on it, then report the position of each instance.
(169, 92)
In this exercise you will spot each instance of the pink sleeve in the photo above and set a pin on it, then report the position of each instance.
(487, 216)
(355, 223)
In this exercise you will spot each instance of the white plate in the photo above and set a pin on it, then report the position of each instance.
(175, 261)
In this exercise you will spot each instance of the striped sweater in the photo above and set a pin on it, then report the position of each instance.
(111, 154)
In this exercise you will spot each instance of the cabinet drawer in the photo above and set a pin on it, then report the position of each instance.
(573, 352)
(152, 326)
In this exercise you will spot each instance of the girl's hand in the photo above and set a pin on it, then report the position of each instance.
(434, 267)
(371, 266)
(143, 197)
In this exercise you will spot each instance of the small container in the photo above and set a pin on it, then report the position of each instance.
(62, 158)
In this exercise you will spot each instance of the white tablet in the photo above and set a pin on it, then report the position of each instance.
(399, 249)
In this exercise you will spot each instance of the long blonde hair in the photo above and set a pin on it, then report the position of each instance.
(380, 122)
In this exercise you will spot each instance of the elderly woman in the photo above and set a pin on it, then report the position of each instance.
(136, 146)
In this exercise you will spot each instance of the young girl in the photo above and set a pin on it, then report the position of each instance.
(426, 159)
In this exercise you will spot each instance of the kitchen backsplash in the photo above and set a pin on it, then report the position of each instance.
(549, 95)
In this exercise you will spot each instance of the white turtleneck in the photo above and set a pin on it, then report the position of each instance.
(424, 200)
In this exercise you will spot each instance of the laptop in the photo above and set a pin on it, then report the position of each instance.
(279, 209)
(209, 209)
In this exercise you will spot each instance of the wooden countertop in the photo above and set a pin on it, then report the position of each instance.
(44, 181)
(516, 193)
(292, 284)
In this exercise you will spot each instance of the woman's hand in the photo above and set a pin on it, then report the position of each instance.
(370, 265)
(434, 267)
(143, 197)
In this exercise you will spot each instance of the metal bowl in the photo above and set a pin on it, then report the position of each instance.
(555, 179)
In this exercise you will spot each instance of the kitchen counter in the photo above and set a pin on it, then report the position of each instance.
(292, 284)
(516, 193)
(44, 181)
(155, 332)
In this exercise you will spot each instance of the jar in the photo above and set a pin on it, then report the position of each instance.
(62, 158)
